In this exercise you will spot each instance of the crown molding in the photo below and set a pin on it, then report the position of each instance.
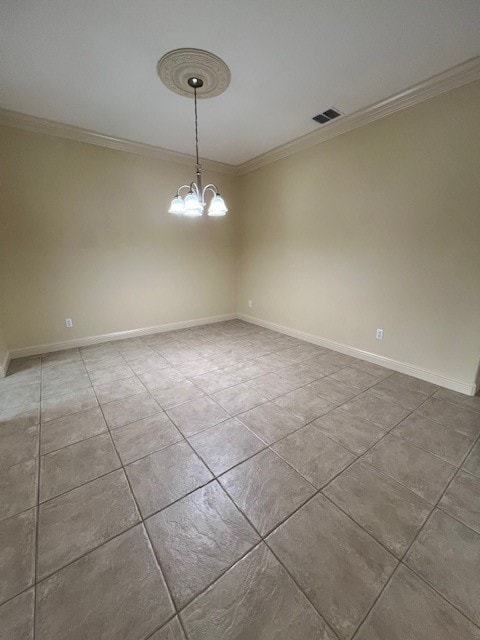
(463, 73)
(452, 78)
(41, 125)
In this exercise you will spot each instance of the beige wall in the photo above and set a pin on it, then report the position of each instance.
(379, 227)
(85, 234)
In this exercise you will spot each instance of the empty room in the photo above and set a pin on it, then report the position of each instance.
(240, 320)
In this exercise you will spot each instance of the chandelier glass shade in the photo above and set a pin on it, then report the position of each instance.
(192, 204)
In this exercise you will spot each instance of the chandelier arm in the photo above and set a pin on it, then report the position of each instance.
(184, 186)
(195, 189)
(212, 187)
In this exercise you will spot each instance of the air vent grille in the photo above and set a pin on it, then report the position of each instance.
(326, 116)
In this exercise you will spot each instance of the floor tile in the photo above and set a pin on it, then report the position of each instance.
(17, 443)
(305, 404)
(468, 402)
(273, 361)
(59, 388)
(324, 364)
(118, 389)
(381, 412)
(62, 372)
(161, 378)
(339, 567)
(214, 381)
(274, 384)
(74, 523)
(103, 362)
(407, 398)
(197, 415)
(165, 476)
(299, 374)
(197, 539)
(472, 462)
(171, 631)
(122, 412)
(145, 436)
(266, 489)
(371, 368)
(147, 363)
(179, 355)
(315, 456)
(432, 436)
(390, 512)
(177, 393)
(17, 553)
(16, 617)
(196, 367)
(238, 399)
(462, 499)
(18, 488)
(107, 375)
(420, 471)
(21, 396)
(116, 591)
(410, 609)
(273, 608)
(355, 378)
(245, 371)
(354, 433)
(400, 380)
(76, 464)
(332, 390)
(29, 363)
(451, 415)
(70, 429)
(66, 355)
(20, 417)
(225, 445)
(270, 422)
(59, 406)
(132, 355)
(271, 385)
(20, 379)
(447, 555)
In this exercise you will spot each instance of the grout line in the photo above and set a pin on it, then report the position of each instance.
(402, 558)
(37, 508)
(142, 520)
(216, 477)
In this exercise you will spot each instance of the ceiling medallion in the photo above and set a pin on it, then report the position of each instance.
(176, 67)
(195, 73)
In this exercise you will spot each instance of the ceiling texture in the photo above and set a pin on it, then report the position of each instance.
(92, 63)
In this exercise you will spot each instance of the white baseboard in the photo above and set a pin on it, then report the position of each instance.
(4, 364)
(402, 367)
(119, 335)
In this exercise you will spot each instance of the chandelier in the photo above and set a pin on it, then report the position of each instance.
(188, 71)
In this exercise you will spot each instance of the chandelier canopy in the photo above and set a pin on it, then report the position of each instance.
(193, 72)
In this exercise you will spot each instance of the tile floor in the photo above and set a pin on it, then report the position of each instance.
(230, 482)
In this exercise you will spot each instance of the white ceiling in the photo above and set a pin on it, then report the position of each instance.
(91, 63)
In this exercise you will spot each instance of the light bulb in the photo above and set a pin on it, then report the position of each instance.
(177, 205)
(193, 206)
(217, 206)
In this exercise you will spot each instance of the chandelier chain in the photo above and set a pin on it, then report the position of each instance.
(196, 123)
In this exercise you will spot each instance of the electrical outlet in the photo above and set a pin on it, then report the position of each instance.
(379, 334)
(250, 304)
(68, 323)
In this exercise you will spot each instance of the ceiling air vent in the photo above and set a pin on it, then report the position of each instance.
(326, 116)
